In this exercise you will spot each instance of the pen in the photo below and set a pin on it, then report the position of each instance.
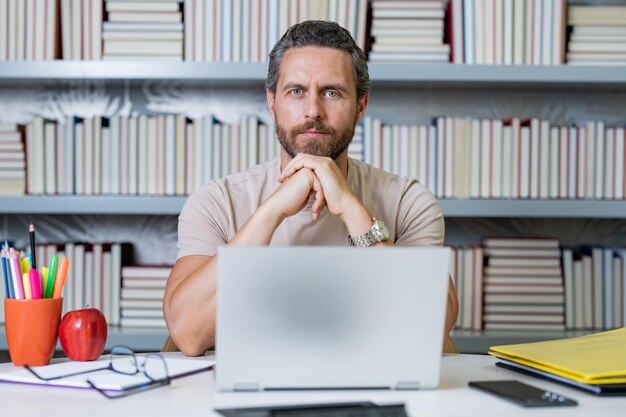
(35, 284)
(59, 282)
(5, 274)
(31, 232)
(26, 285)
(51, 277)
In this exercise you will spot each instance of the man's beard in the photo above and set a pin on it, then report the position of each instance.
(331, 147)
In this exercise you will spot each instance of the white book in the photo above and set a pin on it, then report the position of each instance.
(218, 144)
(254, 33)
(609, 168)
(236, 30)
(402, 150)
(497, 159)
(414, 152)
(544, 159)
(499, 31)
(507, 168)
(78, 273)
(217, 31)
(368, 141)
(597, 259)
(387, 149)
(578, 294)
(39, 29)
(60, 157)
(462, 163)
(460, 283)
(96, 31)
(142, 313)
(226, 145)
(118, 152)
(489, 41)
(599, 160)
(144, 304)
(581, 174)
(98, 281)
(475, 161)
(4, 44)
(558, 32)
(86, 30)
(516, 156)
(264, 30)
(107, 283)
(50, 35)
(116, 282)
(39, 160)
(572, 163)
(468, 293)
(89, 156)
(88, 278)
(507, 17)
(142, 154)
(590, 159)
(441, 154)
(142, 293)
(227, 16)
(143, 322)
(477, 313)
(568, 280)
(273, 24)
(190, 29)
(142, 26)
(618, 291)
(432, 157)
(469, 31)
(587, 266)
(479, 31)
(519, 32)
(619, 163)
(170, 154)
(400, 13)
(144, 47)
(449, 162)
(555, 158)
(608, 289)
(143, 6)
(524, 188)
(179, 157)
(105, 155)
(152, 17)
(152, 165)
(423, 164)
(29, 31)
(97, 158)
(563, 161)
(547, 16)
(535, 155)
(361, 22)
(133, 143)
(253, 142)
(190, 161)
(50, 147)
(245, 31)
(200, 26)
(486, 158)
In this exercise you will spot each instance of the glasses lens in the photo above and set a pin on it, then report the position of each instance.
(123, 360)
(155, 367)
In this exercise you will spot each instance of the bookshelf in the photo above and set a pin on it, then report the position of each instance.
(385, 75)
(147, 205)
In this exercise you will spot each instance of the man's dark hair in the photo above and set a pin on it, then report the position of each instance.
(321, 34)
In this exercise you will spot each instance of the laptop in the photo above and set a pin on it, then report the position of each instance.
(315, 317)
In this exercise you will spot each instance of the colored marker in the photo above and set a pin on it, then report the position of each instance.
(7, 278)
(59, 282)
(17, 278)
(35, 284)
(51, 277)
(26, 285)
(31, 232)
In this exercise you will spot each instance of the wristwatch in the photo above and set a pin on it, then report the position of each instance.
(377, 233)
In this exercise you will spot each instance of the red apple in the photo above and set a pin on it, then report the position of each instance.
(83, 334)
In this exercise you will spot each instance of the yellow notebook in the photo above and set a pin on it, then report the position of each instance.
(593, 359)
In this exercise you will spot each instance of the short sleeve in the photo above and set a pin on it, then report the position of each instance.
(203, 222)
(420, 219)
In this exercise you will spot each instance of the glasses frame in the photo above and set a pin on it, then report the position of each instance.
(119, 350)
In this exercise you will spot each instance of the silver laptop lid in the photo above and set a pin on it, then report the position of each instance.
(330, 317)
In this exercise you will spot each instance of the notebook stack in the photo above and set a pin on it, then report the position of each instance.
(146, 30)
(408, 31)
(143, 288)
(598, 35)
(523, 284)
(466, 270)
(12, 161)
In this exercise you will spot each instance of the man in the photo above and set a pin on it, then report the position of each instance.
(317, 89)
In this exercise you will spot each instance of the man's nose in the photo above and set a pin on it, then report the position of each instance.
(314, 107)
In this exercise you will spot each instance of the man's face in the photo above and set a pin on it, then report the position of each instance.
(315, 107)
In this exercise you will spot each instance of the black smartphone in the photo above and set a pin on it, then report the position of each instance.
(523, 394)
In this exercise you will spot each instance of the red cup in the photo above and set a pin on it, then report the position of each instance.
(32, 329)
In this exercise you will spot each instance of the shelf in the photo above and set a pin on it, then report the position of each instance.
(255, 73)
(139, 339)
(451, 208)
(479, 341)
(467, 341)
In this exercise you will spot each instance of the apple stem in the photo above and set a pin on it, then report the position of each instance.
(86, 306)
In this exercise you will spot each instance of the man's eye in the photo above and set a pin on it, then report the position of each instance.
(296, 92)
(331, 94)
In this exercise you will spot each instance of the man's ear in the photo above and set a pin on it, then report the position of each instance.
(269, 97)
(361, 106)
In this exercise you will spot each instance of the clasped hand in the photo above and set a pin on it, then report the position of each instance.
(308, 176)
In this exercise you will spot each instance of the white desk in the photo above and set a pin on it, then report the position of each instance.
(194, 396)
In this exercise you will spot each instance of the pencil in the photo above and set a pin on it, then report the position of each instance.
(31, 231)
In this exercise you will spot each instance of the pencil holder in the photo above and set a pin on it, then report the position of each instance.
(32, 329)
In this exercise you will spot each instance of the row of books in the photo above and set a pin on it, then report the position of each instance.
(143, 289)
(461, 157)
(408, 31)
(479, 31)
(143, 31)
(137, 155)
(246, 30)
(94, 275)
(533, 284)
(508, 31)
(598, 35)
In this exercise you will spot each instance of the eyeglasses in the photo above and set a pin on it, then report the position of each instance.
(124, 361)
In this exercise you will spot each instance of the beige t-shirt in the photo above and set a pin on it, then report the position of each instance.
(215, 212)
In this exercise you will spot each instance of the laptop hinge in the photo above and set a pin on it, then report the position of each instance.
(246, 386)
(408, 385)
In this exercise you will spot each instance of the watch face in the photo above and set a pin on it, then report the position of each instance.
(382, 229)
